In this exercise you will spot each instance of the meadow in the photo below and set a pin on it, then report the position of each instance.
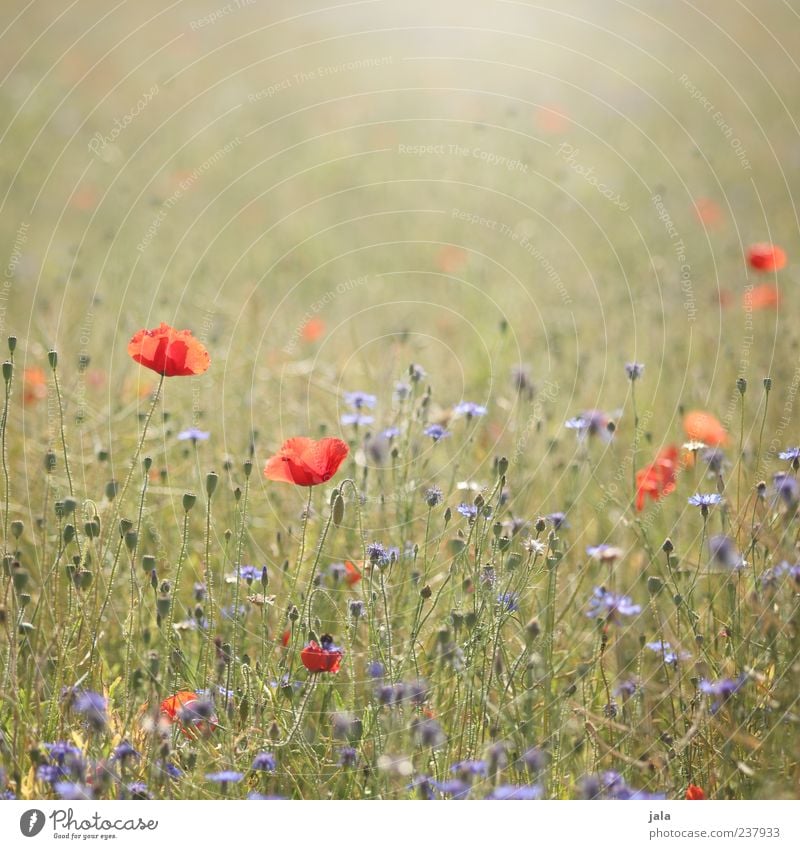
(474, 473)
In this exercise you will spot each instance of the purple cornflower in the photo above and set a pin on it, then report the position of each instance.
(375, 669)
(72, 791)
(705, 500)
(416, 373)
(454, 787)
(604, 553)
(666, 651)
(60, 750)
(356, 419)
(264, 761)
(225, 777)
(428, 732)
(558, 520)
(93, 707)
(49, 773)
(609, 606)
(722, 690)
(723, 552)
(634, 370)
(509, 602)
(377, 553)
(467, 770)
(169, 769)
(248, 573)
(534, 759)
(714, 458)
(401, 390)
(792, 454)
(123, 751)
(138, 790)
(390, 433)
(433, 496)
(786, 487)
(356, 608)
(469, 409)
(626, 688)
(360, 400)
(200, 710)
(590, 423)
(348, 756)
(193, 433)
(509, 792)
(436, 432)
(468, 511)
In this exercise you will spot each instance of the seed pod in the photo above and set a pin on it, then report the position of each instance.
(17, 527)
(211, 483)
(8, 370)
(52, 358)
(189, 499)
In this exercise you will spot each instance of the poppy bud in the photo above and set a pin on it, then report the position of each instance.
(188, 501)
(8, 370)
(338, 509)
(124, 526)
(153, 579)
(654, 585)
(147, 463)
(52, 358)
(237, 493)
(502, 466)
(264, 577)
(163, 605)
(68, 506)
(667, 546)
(426, 592)
(274, 731)
(12, 344)
(17, 527)
(111, 490)
(294, 613)
(102, 455)
(447, 515)
(84, 579)
(131, 540)
(211, 483)
(69, 533)
(248, 468)
(533, 629)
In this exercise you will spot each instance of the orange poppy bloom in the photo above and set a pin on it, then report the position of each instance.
(766, 257)
(172, 704)
(694, 792)
(708, 211)
(34, 385)
(322, 658)
(306, 462)
(658, 479)
(551, 119)
(451, 259)
(171, 352)
(313, 329)
(761, 297)
(704, 427)
(351, 575)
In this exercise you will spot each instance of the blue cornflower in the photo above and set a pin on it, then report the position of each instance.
(705, 500)
(508, 601)
(469, 511)
(723, 689)
(558, 520)
(225, 776)
(609, 606)
(433, 496)
(401, 390)
(348, 756)
(416, 373)
(49, 773)
(792, 454)
(535, 759)
(469, 409)
(193, 433)
(124, 750)
(390, 433)
(138, 790)
(436, 432)
(72, 791)
(786, 487)
(377, 553)
(666, 651)
(604, 553)
(375, 669)
(626, 688)
(169, 769)
(93, 707)
(428, 732)
(468, 769)
(454, 787)
(264, 761)
(356, 419)
(360, 400)
(590, 423)
(634, 370)
(60, 750)
(508, 792)
(249, 573)
(357, 608)
(724, 553)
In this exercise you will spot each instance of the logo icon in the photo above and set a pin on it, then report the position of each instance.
(31, 822)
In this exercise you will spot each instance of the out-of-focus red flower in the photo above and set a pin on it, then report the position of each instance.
(708, 211)
(451, 259)
(351, 575)
(658, 479)
(704, 427)
(34, 385)
(285, 637)
(323, 656)
(306, 462)
(313, 329)
(761, 297)
(172, 704)
(171, 352)
(180, 707)
(766, 257)
(551, 119)
(694, 792)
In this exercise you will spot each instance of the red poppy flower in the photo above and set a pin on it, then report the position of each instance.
(313, 329)
(658, 479)
(351, 575)
(451, 259)
(708, 211)
(322, 658)
(694, 792)
(34, 385)
(704, 427)
(171, 352)
(285, 637)
(306, 462)
(761, 297)
(173, 706)
(766, 257)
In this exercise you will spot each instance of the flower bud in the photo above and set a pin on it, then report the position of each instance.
(8, 370)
